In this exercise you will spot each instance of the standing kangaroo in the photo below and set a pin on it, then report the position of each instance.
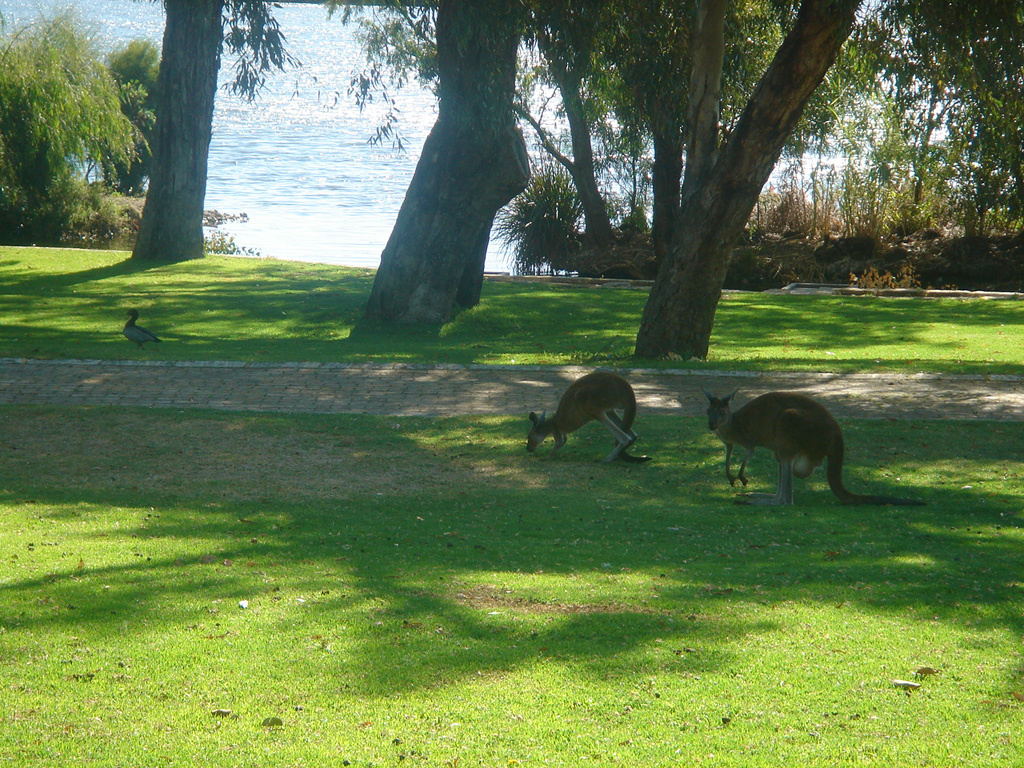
(594, 397)
(799, 431)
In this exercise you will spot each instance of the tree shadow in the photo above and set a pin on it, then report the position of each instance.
(431, 564)
(18, 280)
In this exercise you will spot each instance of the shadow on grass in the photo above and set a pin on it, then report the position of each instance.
(246, 309)
(18, 280)
(429, 580)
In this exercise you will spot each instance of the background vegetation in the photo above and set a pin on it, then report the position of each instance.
(61, 114)
(914, 130)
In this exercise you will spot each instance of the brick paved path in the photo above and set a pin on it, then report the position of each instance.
(445, 390)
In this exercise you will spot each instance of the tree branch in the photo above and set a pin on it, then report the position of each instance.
(545, 139)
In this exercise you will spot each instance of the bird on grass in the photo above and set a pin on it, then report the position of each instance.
(137, 333)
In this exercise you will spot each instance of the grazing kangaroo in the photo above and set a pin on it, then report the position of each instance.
(799, 431)
(594, 397)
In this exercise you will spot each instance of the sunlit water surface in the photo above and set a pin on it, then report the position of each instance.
(296, 161)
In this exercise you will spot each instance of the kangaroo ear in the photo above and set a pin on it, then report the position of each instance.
(707, 394)
(731, 396)
(533, 418)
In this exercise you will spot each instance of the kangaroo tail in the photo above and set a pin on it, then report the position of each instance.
(835, 482)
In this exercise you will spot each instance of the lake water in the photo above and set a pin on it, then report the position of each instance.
(296, 161)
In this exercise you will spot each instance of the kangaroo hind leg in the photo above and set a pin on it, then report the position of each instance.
(616, 420)
(623, 438)
(783, 494)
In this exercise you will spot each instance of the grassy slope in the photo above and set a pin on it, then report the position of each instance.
(66, 303)
(426, 588)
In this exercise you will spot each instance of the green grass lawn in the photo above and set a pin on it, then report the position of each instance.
(197, 588)
(59, 303)
(423, 591)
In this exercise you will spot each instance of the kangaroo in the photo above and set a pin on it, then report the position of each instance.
(800, 431)
(594, 397)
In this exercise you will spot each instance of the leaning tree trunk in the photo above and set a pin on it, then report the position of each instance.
(172, 221)
(598, 231)
(473, 162)
(721, 188)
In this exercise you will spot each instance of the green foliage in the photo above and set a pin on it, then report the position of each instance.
(424, 591)
(955, 73)
(871, 186)
(67, 303)
(60, 115)
(398, 38)
(137, 61)
(541, 225)
(135, 67)
(398, 41)
(922, 112)
(225, 245)
(254, 36)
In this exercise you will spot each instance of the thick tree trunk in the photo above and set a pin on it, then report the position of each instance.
(434, 258)
(473, 162)
(680, 310)
(172, 221)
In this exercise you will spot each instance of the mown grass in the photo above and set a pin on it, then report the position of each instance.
(69, 303)
(423, 591)
(402, 591)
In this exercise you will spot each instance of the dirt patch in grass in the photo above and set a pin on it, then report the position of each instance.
(231, 456)
(490, 597)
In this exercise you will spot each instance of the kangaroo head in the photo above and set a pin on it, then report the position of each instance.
(539, 432)
(719, 412)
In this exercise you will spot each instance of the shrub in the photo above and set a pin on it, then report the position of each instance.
(134, 67)
(224, 245)
(871, 280)
(60, 115)
(541, 225)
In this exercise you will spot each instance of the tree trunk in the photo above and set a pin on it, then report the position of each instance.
(705, 99)
(598, 231)
(172, 220)
(666, 180)
(717, 201)
(473, 162)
